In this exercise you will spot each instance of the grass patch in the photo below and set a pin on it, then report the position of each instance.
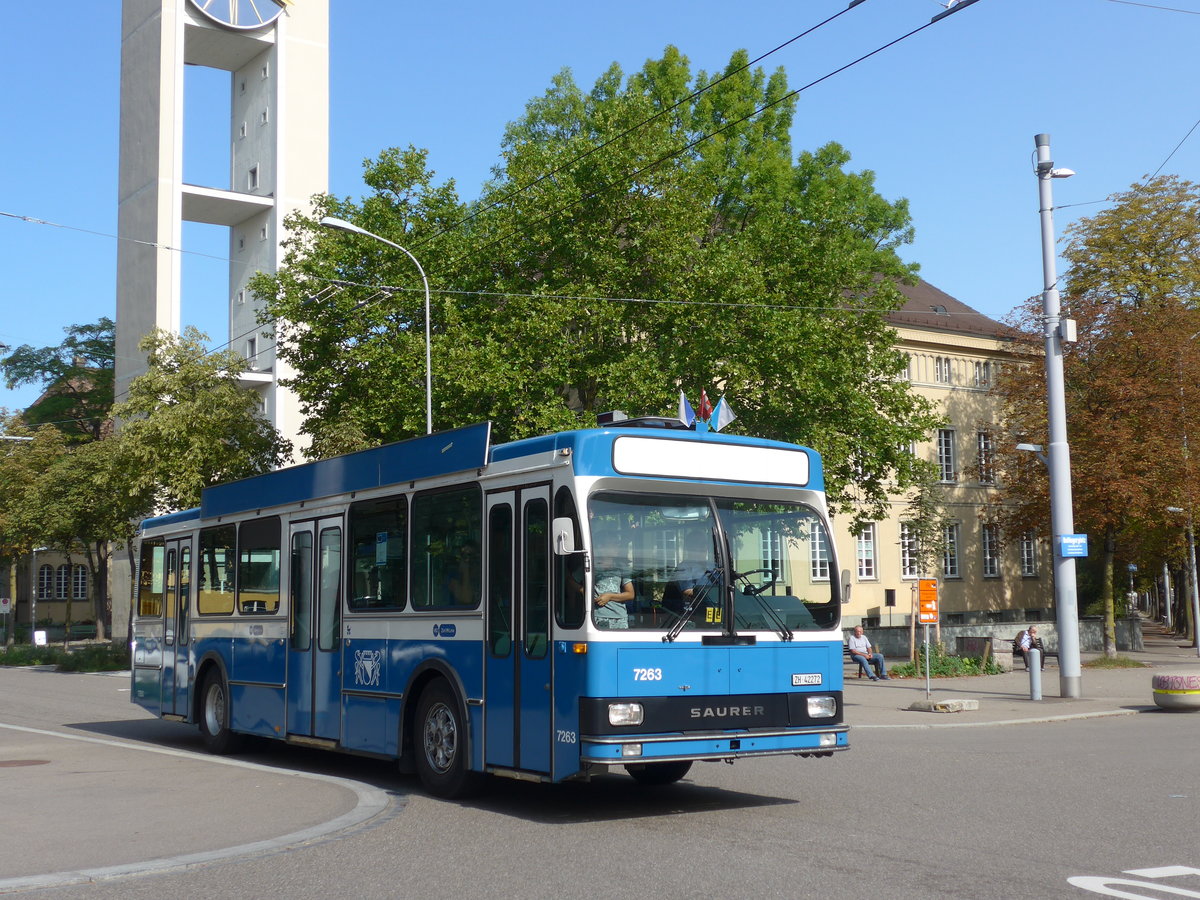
(1116, 662)
(942, 665)
(86, 658)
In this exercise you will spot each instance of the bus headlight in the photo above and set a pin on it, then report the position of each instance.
(625, 714)
(821, 707)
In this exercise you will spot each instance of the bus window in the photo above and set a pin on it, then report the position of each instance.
(379, 566)
(258, 566)
(329, 580)
(446, 529)
(214, 596)
(537, 582)
(151, 580)
(301, 582)
(500, 580)
(568, 570)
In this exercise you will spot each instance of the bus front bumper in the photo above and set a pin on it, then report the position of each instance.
(633, 748)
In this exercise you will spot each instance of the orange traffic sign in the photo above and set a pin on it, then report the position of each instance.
(927, 601)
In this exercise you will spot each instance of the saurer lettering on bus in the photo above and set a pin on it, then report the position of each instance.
(726, 712)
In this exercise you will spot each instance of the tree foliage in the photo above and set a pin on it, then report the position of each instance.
(1132, 379)
(76, 377)
(635, 239)
(188, 423)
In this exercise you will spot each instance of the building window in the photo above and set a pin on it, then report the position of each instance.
(987, 457)
(941, 369)
(263, 119)
(252, 352)
(818, 554)
(866, 553)
(991, 551)
(252, 179)
(262, 233)
(909, 545)
(950, 551)
(241, 298)
(1028, 555)
(265, 71)
(62, 582)
(983, 373)
(79, 588)
(945, 454)
(45, 589)
(242, 131)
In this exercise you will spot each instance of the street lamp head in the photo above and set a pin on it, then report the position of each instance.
(1175, 509)
(340, 225)
(1030, 448)
(1061, 173)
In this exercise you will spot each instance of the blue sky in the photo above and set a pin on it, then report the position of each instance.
(945, 118)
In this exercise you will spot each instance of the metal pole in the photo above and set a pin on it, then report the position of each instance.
(343, 225)
(1195, 586)
(1062, 518)
(928, 690)
(1035, 673)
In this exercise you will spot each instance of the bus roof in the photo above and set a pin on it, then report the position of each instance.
(463, 449)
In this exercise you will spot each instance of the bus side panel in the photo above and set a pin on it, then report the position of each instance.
(570, 679)
(261, 655)
(257, 709)
(371, 724)
(257, 678)
(147, 665)
(783, 668)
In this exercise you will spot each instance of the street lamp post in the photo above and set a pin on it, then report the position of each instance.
(1191, 540)
(1062, 518)
(343, 225)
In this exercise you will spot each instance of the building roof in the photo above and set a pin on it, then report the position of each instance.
(929, 308)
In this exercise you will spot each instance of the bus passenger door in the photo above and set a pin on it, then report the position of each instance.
(517, 705)
(176, 670)
(314, 638)
(170, 603)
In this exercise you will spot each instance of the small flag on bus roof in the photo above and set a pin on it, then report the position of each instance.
(722, 415)
(686, 414)
(705, 412)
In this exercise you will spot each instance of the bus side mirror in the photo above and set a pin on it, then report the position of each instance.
(564, 536)
(845, 585)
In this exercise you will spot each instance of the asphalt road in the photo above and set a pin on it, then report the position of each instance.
(981, 812)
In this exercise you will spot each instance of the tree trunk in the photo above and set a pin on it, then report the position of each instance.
(1110, 620)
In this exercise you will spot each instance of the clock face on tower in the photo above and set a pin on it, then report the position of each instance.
(244, 15)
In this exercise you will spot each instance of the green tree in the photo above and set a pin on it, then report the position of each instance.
(691, 251)
(188, 423)
(1132, 379)
(76, 377)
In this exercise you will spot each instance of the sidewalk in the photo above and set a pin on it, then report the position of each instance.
(1005, 698)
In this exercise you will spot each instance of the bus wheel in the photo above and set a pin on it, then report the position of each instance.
(442, 744)
(659, 773)
(214, 716)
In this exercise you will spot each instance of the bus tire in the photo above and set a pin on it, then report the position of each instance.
(214, 716)
(441, 744)
(659, 773)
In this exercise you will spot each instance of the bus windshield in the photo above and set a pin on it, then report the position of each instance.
(663, 562)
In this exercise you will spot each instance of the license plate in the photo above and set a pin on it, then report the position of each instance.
(806, 678)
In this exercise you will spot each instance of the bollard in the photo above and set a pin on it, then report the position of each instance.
(1035, 673)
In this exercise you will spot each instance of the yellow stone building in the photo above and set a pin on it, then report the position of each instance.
(955, 353)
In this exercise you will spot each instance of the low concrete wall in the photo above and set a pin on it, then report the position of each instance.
(893, 642)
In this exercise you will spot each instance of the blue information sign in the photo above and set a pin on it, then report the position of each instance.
(1072, 545)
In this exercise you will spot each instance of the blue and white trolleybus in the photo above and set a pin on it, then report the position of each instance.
(636, 595)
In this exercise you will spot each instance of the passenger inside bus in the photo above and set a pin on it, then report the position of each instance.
(465, 580)
(612, 588)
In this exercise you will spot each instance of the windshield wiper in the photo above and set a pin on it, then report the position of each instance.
(698, 594)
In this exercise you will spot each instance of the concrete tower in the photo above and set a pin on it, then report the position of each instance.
(277, 55)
